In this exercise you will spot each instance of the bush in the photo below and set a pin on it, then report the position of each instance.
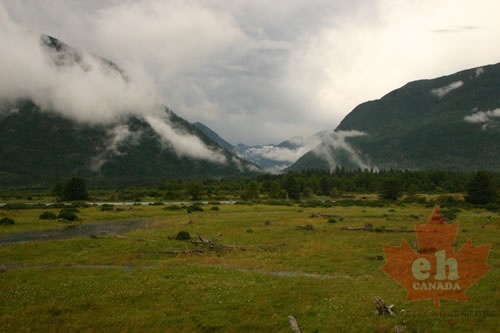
(107, 207)
(450, 214)
(194, 208)
(67, 214)
(183, 235)
(47, 216)
(57, 205)
(447, 200)
(279, 203)
(172, 207)
(7, 221)
(15, 206)
(332, 220)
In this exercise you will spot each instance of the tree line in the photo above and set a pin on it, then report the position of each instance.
(480, 187)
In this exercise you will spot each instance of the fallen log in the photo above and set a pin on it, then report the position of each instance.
(306, 227)
(294, 324)
(357, 228)
(382, 308)
(137, 239)
(313, 215)
(211, 244)
(186, 251)
(370, 228)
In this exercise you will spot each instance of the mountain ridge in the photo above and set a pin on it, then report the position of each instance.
(272, 158)
(40, 145)
(450, 122)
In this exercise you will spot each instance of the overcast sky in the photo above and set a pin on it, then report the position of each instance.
(260, 71)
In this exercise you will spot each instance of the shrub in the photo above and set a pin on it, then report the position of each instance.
(183, 235)
(47, 216)
(6, 221)
(67, 214)
(332, 220)
(107, 207)
(57, 205)
(450, 214)
(15, 206)
(194, 208)
(215, 208)
(447, 200)
(280, 203)
(172, 207)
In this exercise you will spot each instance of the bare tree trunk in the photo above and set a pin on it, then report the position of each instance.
(294, 324)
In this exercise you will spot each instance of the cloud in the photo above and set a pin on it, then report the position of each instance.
(486, 118)
(184, 144)
(281, 154)
(261, 71)
(336, 143)
(169, 36)
(479, 72)
(442, 91)
(83, 87)
(456, 29)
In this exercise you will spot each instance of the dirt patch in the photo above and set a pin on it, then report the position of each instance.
(72, 231)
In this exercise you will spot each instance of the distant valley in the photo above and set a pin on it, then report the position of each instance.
(451, 123)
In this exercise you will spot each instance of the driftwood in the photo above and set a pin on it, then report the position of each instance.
(186, 251)
(382, 308)
(137, 239)
(399, 328)
(313, 215)
(294, 324)
(371, 228)
(306, 227)
(212, 243)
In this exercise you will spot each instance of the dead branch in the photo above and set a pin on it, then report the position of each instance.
(370, 228)
(313, 215)
(382, 308)
(212, 244)
(399, 328)
(137, 239)
(186, 251)
(306, 227)
(294, 324)
(357, 228)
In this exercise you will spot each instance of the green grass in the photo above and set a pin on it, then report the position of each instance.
(326, 278)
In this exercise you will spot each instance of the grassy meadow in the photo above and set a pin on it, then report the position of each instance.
(278, 261)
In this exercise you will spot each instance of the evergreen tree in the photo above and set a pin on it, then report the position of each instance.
(195, 190)
(482, 189)
(75, 189)
(391, 189)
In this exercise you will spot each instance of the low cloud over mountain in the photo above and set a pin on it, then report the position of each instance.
(84, 87)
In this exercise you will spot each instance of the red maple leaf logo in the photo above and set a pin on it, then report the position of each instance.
(436, 271)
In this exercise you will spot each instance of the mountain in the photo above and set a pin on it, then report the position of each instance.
(271, 158)
(277, 158)
(451, 122)
(214, 137)
(39, 145)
